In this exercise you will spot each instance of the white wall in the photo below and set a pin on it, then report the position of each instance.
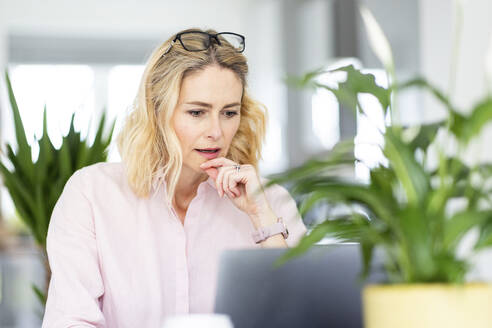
(263, 25)
(477, 29)
(113, 17)
(307, 45)
(316, 41)
(436, 39)
(470, 82)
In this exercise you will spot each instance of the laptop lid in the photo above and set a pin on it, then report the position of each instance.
(319, 289)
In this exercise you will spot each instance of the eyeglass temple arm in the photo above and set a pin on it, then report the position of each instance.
(170, 46)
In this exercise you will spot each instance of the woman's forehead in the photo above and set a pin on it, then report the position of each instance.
(211, 86)
(209, 74)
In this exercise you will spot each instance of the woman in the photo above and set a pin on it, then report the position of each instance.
(132, 243)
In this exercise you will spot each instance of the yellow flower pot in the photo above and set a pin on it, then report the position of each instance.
(428, 306)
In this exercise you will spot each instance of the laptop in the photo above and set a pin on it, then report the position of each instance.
(319, 289)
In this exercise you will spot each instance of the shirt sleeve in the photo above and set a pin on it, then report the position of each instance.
(76, 286)
(285, 206)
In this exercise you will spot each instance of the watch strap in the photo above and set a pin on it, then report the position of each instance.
(265, 232)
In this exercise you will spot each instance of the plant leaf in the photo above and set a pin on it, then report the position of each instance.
(485, 238)
(416, 245)
(306, 81)
(465, 128)
(423, 83)
(425, 136)
(460, 223)
(39, 294)
(318, 233)
(334, 190)
(341, 155)
(367, 248)
(377, 39)
(23, 148)
(358, 83)
(412, 175)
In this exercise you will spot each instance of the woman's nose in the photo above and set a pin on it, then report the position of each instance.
(214, 130)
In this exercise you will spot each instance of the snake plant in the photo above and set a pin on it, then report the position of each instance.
(35, 186)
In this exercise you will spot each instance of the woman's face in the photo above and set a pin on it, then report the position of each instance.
(207, 115)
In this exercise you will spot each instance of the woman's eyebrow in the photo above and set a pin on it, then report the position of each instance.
(203, 104)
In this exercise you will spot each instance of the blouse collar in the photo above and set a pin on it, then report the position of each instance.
(159, 179)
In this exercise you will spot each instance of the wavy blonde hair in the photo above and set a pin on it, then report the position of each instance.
(148, 144)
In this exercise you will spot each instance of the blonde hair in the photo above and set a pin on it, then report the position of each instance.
(148, 144)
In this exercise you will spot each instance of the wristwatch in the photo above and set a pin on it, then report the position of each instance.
(265, 232)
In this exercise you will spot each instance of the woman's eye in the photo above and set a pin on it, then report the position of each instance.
(230, 113)
(195, 113)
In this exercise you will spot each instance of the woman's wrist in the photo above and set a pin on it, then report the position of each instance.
(263, 219)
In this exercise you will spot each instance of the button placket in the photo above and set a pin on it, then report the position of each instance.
(182, 272)
(182, 268)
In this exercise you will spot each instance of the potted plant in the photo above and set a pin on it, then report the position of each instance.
(35, 186)
(416, 208)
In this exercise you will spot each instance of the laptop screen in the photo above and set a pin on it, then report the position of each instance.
(318, 289)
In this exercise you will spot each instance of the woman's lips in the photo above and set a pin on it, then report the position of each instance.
(209, 155)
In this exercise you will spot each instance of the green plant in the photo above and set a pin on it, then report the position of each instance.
(35, 186)
(406, 206)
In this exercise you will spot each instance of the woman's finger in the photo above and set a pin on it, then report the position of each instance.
(232, 183)
(220, 178)
(212, 172)
(225, 182)
(218, 183)
(237, 191)
(217, 162)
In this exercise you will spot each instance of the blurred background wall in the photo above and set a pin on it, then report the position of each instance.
(86, 55)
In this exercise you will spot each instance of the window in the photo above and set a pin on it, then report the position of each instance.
(64, 89)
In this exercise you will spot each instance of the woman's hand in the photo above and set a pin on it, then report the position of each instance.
(243, 187)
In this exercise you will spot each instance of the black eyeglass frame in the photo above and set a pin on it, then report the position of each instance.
(210, 38)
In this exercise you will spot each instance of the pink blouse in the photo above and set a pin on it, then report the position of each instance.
(122, 261)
